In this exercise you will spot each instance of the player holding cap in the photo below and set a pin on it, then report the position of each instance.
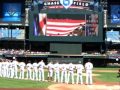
(70, 73)
(64, 73)
(79, 68)
(22, 70)
(6, 66)
(56, 72)
(15, 68)
(88, 68)
(50, 71)
(29, 70)
(41, 66)
(0, 68)
(10, 70)
(35, 71)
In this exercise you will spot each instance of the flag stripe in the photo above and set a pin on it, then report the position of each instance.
(62, 27)
(59, 26)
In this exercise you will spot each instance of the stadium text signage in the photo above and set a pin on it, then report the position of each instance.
(67, 4)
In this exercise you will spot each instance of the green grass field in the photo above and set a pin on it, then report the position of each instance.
(14, 83)
(107, 77)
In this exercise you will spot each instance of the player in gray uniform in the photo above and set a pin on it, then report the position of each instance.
(56, 72)
(79, 68)
(63, 73)
(35, 71)
(41, 66)
(29, 70)
(71, 73)
(88, 68)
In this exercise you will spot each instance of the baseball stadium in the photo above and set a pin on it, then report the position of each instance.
(59, 45)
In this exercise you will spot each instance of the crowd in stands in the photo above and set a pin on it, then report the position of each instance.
(20, 52)
(29, 52)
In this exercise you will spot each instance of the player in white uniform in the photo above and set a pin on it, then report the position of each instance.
(35, 71)
(41, 66)
(50, 71)
(56, 72)
(4, 69)
(22, 70)
(15, 68)
(79, 68)
(10, 70)
(88, 68)
(71, 73)
(0, 68)
(29, 70)
(63, 73)
(6, 66)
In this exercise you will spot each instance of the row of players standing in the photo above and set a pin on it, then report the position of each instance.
(58, 72)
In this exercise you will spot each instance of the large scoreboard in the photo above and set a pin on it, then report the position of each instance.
(67, 21)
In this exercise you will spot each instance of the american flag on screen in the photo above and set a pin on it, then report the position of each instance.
(58, 26)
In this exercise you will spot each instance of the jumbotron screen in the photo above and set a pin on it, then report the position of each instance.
(66, 21)
(66, 24)
(71, 27)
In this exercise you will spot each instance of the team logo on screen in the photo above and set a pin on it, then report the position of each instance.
(66, 3)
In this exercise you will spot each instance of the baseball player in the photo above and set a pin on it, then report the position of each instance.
(70, 73)
(41, 66)
(10, 70)
(79, 68)
(56, 72)
(50, 71)
(35, 71)
(15, 68)
(29, 70)
(22, 70)
(6, 67)
(63, 73)
(88, 68)
(0, 68)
